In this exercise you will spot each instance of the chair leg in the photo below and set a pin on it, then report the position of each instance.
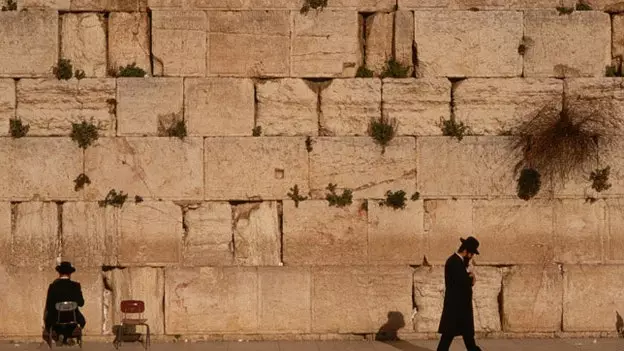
(147, 336)
(119, 336)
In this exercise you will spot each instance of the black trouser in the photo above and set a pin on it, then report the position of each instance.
(469, 341)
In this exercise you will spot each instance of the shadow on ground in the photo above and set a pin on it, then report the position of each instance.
(388, 333)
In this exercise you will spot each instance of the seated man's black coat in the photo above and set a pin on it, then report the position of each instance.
(63, 290)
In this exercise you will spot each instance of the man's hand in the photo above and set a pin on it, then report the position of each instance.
(473, 277)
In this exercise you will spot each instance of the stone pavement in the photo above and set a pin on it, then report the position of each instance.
(416, 345)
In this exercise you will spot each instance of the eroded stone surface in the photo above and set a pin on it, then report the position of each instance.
(604, 95)
(109, 5)
(404, 38)
(287, 107)
(284, 294)
(614, 240)
(128, 40)
(208, 241)
(35, 235)
(349, 105)
(480, 4)
(179, 43)
(7, 104)
(359, 5)
(617, 35)
(6, 234)
(61, 5)
(257, 239)
(445, 221)
(84, 42)
(579, 229)
(379, 32)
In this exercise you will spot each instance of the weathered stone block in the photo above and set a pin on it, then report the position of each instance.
(348, 105)
(84, 42)
(362, 5)
(468, 43)
(50, 106)
(404, 38)
(339, 234)
(604, 95)
(396, 236)
(485, 295)
(284, 299)
(89, 234)
(418, 105)
(252, 168)
(219, 106)
(211, 300)
(257, 237)
(326, 44)
(7, 104)
(249, 43)
(614, 238)
(602, 5)
(32, 52)
(208, 241)
(90, 280)
(179, 43)
(445, 221)
(611, 155)
(379, 38)
(150, 233)
(287, 107)
(359, 5)
(357, 163)
(480, 4)
(128, 40)
(148, 106)
(154, 168)
(6, 234)
(617, 36)
(497, 106)
(532, 299)
(61, 5)
(109, 5)
(35, 235)
(578, 44)
(579, 230)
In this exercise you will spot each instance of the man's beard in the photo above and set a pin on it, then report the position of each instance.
(466, 261)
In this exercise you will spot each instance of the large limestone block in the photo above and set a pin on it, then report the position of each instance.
(614, 238)
(357, 163)
(109, 5)
(35, 235)
(600, 94)
(361, 5)
(92, 285)
(578, 44)
(90, 234)
(348, 105)
(154, 168)
(480, 4)
(61, 5)
(50, 106)
(509, 229)
(150, 233)
(357, 299)
(284, 295)
(497, 106)
(379, 39)
(339, 234)
(579, 229)
(211, 300)
(396, 236)
(148, 106)
(617, 36)
(219, 106)
(326, 44)
(611, 6)
(6, 233)
(485, 298)
(468, 43)
(252, 168)
(128, 40)
(179, 43)
(84, 42)
(32, 52)
(418, 105)
(208, 240)
(445, 221)
(257, 237)
(249, 43)
(404, 38)
(474, 166)
(7, 104)
(287, 107)
(532, 299)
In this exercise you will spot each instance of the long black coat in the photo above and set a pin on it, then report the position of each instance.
(63, 290)
(457, 315)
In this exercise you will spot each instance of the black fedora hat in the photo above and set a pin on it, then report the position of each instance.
(471, 244)
(65, 268)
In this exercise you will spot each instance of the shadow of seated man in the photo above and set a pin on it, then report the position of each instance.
(63, 289)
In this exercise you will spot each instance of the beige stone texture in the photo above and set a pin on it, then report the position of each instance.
(362, 5)
(602, 94)
(396, 236)
(92, 286)
(7, 104)
(379, 37)
(595, 289)
(138, 283)
(148, 106)
(532, 298)
(611, 155)
(6, 233)
(445, 221)
(357, 299)
(339, 234)
(404, 38)
(254, 168)
(109, 5)
(35, 237)
(357, 163)
(418, 105)
(600, 5)
(497, 106)
(579, 230)
(468, 43)
(479, 4)
(249, 43)
(284, 298)
(514, 231)
(287, 107)
(474, 166)
(485, 294)
(50, 106)
(614, 238)
(153, 168)
(211, 300)
(128, 40)
(61, 5)
(179, 43)
(219, 106)
(326, 44)
(257, 238)
(349, 105)
(150, 233)
(32, 52)
(617, 35)
(208, 240)
(84, 42)
(359, 5)
(578, 44)
(90, 234)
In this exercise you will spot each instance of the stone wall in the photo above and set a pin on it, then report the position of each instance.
(209, 236)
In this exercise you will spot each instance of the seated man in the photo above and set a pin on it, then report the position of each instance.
(63, 289)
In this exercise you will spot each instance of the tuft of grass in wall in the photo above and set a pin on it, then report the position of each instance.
(529, 183)
(394, 69)
(11, 6)
(130, 70)
(64, 69)
(451, 127)
(80, 74)
(565, 10)
(345, 199)
(295, 196)
(583, 6)
(114, 199)
(383, 130)
(138, 199)
(308, 143)
(84, 133)
(600, 179)
(364, 206)
(415, 196)
(364, 72)
(396, 200)
(177, 129)
(17, 129)
(81, 181)
(312, 4)
(112, 106)
(256, 131)
(613, 71)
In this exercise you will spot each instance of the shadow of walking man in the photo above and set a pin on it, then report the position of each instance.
(388, 333)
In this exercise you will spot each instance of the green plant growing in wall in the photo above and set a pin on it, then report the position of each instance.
(114, 199)
(383, 130)
(345, 199)
(308, 143)
(600, 179)
(312, 4)
(81, 181)
(84, 133)
(613, 71)
(415, 196)
(17, 129)
(396, 200)
(451, 127)
(583, 6)
(138, 199)
(177, 129)
(295, 196)
(394, 69)
(80, 74)
(565, 10)
(364, 72)
(130, 70)
(11, 6)
(529, 183)
(256, 131)
(524, 45)
(64, 69)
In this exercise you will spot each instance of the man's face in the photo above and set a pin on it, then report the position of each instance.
(469, 255)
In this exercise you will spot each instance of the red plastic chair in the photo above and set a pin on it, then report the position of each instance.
(136, 308)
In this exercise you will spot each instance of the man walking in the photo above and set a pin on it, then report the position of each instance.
(457, 316)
